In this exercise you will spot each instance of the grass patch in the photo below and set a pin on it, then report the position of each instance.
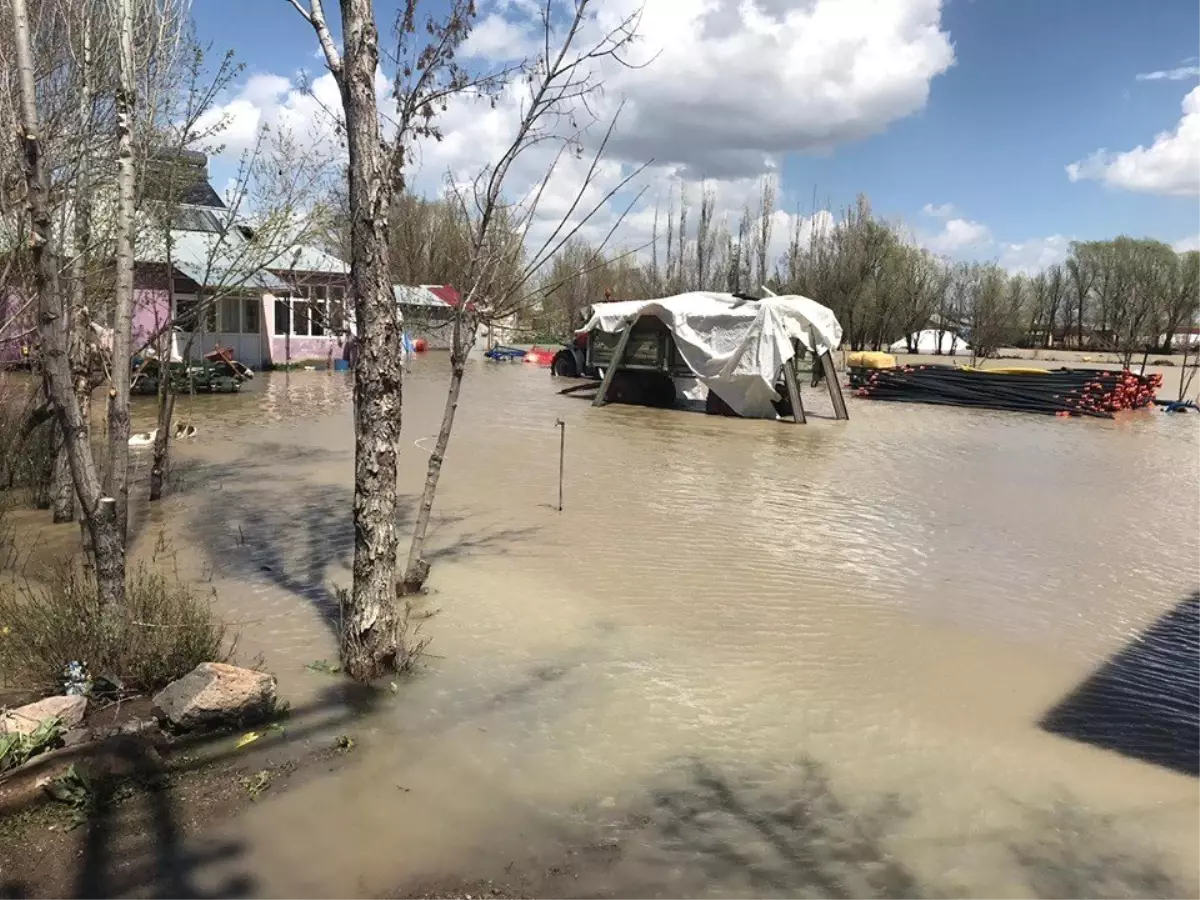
(17, 749)
(163, 632)
(74, 790)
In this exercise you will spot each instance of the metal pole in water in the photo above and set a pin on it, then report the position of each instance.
(562, 449)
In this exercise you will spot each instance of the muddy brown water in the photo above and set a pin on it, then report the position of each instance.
(928, 651)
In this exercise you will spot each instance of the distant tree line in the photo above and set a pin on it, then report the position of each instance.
(1124, 295)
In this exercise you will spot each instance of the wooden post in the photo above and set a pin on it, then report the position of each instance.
(562, 450)
(812, 342)
(793, 388)
(617, 357)
(835, 389)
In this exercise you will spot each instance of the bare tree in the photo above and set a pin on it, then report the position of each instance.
(705, 236)
(117, 483)
(559, 81)
(1182, 299)
(372, 639)
(767, 192)
(99, 511)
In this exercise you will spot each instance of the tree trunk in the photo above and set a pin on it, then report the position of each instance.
(162, 437)
(62, 491)
(77, 315)
(164, 342)
(106, 541)
(417, 569)
(371, 638)
(118, 410)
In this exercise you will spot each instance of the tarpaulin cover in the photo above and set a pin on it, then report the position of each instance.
(736, 348)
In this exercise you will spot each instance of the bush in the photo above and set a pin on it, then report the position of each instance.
(163, 632)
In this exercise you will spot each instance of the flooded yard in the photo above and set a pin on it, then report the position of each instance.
(929, 651)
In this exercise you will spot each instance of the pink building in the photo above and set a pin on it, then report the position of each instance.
(269, 307)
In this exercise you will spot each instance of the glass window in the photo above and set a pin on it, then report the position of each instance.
(195, 314)
(230, 319)
(318, 311)
(283, 319)
(251, 315)
(186, 310)
(300, 318)
(337, 309)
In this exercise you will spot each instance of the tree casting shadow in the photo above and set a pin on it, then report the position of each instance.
(802, 841)
(1067, 852)
(293, 538)
(792, 833)
(133, 841)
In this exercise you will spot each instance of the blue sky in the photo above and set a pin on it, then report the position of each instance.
(1033, 86)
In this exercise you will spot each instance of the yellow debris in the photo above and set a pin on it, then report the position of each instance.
(870, 359)
(248, 738)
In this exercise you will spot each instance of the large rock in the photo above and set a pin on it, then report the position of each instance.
(215, 694)
(25, 720)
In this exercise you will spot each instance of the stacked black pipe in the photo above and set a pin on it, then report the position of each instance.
(1062, 392)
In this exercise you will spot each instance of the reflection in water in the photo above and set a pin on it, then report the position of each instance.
(896, 601)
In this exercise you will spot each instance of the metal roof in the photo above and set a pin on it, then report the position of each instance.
(213, 259)
(309, 259)
(420, 295)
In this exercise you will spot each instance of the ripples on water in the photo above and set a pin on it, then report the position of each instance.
(740, 639)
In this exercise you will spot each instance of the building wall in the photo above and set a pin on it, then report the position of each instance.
(277, 348)
(151, 314)
(151, 311)
(305, 348)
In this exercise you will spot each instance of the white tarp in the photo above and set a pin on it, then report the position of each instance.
(736, 348)
(927, 342)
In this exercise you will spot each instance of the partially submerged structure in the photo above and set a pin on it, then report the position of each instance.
(206, 282)
(734, 353)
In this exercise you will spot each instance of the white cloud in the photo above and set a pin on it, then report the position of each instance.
(308, 113)
(1181, 73)
(1170, 166)
(736, 83)
(1031, 256)
(731, 86)
(958, 235)
(1184, 245)
(941, 211)
(495, 37)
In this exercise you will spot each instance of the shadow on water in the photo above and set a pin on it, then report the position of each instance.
(135, 840)
(750, 836)
(293, 541)
(791, 832)
(1067, 852)
(803, 842)
(1145, 701)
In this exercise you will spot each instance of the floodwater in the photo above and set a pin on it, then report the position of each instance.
(926, 652)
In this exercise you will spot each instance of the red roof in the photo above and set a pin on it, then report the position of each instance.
(445, 293)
